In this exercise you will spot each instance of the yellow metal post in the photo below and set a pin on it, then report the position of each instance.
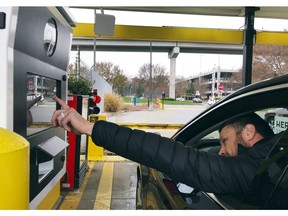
(50, 199)
(95, 152)
(14, 171)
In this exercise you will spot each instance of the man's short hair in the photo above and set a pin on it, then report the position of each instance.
(261, 126)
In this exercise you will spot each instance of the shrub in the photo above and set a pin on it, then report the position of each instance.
(169, 99)
(79, 86)
(113, 102)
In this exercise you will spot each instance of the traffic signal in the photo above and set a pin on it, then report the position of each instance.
(93, 100)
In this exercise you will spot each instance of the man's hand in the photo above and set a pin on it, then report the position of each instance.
(69, 119)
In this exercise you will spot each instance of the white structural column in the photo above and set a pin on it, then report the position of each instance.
(172, 56)
(218, 79)
(213, 85)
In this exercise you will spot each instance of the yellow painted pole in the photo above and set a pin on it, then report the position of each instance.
(14, 171)
(95, 152)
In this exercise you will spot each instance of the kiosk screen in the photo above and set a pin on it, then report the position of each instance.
(40, 105)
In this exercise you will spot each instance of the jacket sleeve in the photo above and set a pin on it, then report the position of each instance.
(200, 170)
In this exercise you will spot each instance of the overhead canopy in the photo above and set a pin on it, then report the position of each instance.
(248, 39)
(128, 35)
(264, 12)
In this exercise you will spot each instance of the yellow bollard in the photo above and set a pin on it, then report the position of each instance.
(95, 152)
(14, 171)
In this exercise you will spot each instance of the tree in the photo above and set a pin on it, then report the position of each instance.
(83, 72)
(269, 61)
(119, 82)
(113, 75)
(160, 81)
(235, 81)
(78, 85)
(137, 87)
(105, 69)
(181, 86)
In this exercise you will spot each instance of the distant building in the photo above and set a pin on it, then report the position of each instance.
(217, 82)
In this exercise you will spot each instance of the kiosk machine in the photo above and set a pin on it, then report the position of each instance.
(34, 56)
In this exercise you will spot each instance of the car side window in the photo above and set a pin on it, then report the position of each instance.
(210, 142)
(277, 118)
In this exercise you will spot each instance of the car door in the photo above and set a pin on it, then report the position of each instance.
(201, 133)
(270, 186)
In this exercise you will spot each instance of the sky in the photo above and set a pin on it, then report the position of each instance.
(187, 64)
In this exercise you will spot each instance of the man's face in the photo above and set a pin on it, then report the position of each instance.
(229, 142)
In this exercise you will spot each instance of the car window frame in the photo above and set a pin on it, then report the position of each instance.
(210, 119)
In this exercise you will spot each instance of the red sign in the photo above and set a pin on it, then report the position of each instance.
(220, 87)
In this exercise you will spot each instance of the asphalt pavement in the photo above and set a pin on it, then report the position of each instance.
(171, 115)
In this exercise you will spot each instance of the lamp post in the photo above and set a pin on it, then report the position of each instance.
(150, 73)
(190, 89)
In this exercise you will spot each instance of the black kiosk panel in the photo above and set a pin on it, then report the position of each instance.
(41, 57)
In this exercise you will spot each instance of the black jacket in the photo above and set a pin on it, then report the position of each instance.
(200, 170)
